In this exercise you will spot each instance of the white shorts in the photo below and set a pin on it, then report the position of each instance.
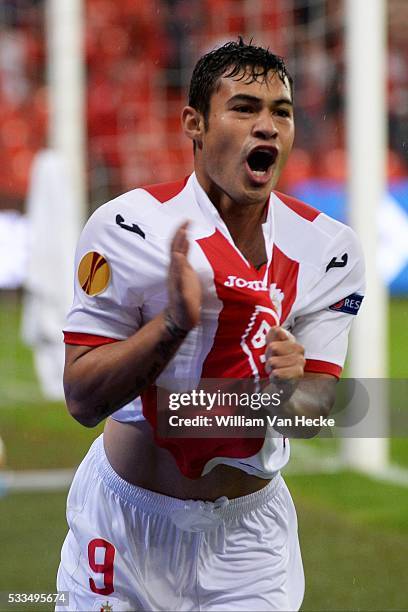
(133, 549)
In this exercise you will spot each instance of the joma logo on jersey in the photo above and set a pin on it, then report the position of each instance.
(241, 283)
(277, 296)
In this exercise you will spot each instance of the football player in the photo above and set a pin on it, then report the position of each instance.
(217, 276)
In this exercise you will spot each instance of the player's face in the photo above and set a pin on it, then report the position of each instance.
(249, 137)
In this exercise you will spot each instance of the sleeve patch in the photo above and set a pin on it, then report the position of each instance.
(94, 273)
(350, 304)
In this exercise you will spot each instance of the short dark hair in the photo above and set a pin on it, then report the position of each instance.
(229, 60)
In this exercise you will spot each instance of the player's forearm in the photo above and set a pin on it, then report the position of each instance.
(103, 379)
(310, 397)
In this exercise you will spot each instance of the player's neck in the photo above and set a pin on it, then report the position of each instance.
(238, 216)
(244, 223)
(242, 220)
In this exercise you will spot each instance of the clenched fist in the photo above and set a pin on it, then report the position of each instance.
(285, 358)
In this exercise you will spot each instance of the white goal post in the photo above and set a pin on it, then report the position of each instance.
(366, 117)
(66, 82)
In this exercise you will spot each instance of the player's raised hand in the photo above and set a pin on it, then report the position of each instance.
(285, 358)
(184, 283)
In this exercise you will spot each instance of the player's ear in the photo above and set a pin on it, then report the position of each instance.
(193, 124)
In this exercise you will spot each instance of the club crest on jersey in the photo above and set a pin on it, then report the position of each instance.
(350, 305)
(277, 296)
(93, 273)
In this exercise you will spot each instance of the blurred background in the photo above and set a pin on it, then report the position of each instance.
(135, 59)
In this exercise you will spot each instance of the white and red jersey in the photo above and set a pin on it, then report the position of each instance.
(311, 284)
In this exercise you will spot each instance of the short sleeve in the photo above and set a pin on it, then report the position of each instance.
(323, 321)
(108, 291)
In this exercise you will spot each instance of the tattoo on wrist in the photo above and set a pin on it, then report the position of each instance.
(165, 350)
(177, 332)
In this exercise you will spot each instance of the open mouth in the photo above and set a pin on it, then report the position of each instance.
(261, 160)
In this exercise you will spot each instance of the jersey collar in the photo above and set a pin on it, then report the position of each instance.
(214, 218)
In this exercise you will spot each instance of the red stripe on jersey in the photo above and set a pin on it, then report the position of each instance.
(323, 367)
(86, 339)
(233, 354)
(166, 191)
(284, 273)
(300, 208)
(239, 345)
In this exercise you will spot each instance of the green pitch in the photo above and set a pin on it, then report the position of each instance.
(354, 530)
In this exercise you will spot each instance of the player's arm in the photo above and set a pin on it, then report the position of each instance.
(99, 380)
(308, 378)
